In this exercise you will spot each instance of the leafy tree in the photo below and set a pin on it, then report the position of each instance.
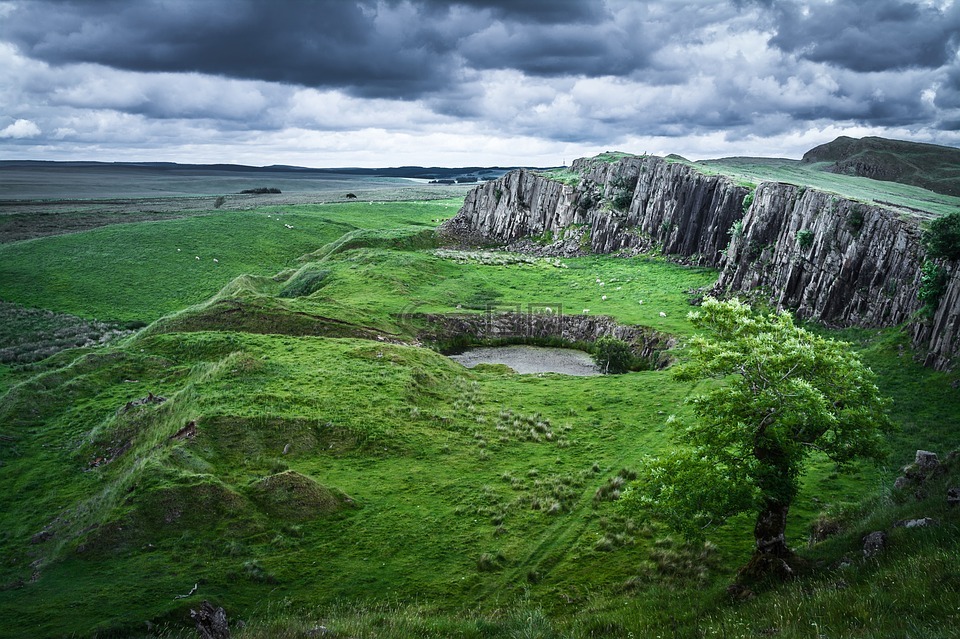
(942, 237)
(782, 395)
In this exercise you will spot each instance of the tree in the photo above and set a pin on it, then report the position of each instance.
(782, 395)
(942, 237)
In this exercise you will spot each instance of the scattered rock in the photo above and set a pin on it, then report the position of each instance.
(41, 537)
(187, 432)
(143, 401)
(739, 592)
(926, 461)
(953, 496)
(286, 449)
(211, 622)
(901, 482)
(874, 544)
(822, 528)
(923, 522)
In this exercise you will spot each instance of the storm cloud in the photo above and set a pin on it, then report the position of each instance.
(334, 82)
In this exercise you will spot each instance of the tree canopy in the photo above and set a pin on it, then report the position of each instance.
(781, 395)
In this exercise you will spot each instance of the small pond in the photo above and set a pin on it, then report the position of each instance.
(531, 359)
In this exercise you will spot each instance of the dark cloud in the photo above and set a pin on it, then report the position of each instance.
(395, 48)
(533, 11)
(312, 43)
(356, 73)
(868, 35)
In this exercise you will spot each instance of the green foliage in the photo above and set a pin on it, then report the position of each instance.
(804, 239)
(785, 394)
(613, 356)
(748, 201)
(856, 219)
(933, 283)
(942, 237)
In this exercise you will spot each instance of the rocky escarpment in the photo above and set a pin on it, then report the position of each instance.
(842, 262)
(824, 257)
(639, 203)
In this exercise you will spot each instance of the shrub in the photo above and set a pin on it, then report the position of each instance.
(942, 237)
(856, 219)
(613, 355)
(804, 239)
(933, 282)
(747, 201)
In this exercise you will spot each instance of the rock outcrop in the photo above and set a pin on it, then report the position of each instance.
(646, 343)
(638, 203)
(835, 260)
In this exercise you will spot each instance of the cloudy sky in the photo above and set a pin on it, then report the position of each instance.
(469, 82)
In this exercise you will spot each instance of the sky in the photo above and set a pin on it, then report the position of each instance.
(376, 83)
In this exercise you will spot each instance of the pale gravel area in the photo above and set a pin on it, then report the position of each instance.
(531, 359)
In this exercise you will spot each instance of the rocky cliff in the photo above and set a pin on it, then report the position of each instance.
(639, 203)
(842, 262)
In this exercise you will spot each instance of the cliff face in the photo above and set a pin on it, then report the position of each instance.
(636, 203)
(842, 262)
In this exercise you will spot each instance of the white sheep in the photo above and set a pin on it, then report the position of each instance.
(288, 226)
(216, 261)
(586, 310)
(603, 297)
(178, 250)
(198, 257)
(549, 310)
(662, 314)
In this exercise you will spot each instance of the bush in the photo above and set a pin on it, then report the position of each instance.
(933, 282)
(613, 356)
(804, 239)
(942, 237)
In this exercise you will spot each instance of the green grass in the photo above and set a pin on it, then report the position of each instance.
(905, 199)
(139, 272)
(311, 465)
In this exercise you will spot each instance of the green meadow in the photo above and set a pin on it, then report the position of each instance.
(279, 441)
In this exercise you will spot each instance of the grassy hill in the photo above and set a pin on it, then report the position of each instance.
(929, 166)
(280, 442)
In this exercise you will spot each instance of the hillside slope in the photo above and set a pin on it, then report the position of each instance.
(929, 166)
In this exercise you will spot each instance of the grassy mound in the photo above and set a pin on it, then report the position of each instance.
(928, 166)
(293, 496)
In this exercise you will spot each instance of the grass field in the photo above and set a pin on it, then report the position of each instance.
(373, 486)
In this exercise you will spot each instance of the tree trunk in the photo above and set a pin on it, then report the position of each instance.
(771, 556)
(771, 530)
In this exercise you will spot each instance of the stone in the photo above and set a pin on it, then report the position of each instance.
(923, 522)
(953, 496)
(926, 461)
(874, 544)
(211, 622)
(901, 482)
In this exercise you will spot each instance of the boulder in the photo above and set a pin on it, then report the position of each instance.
(211, 622)
(923, 522)
(926, 462)
(874, 544)
(953, 496)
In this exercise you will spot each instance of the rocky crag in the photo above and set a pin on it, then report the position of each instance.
(842, 262)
